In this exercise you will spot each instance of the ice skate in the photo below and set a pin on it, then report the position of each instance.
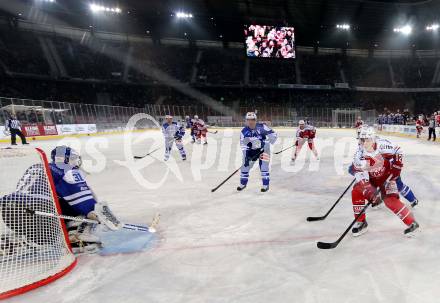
(241, 187)
(359, 228)
(410, 231)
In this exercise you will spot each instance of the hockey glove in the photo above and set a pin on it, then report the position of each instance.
(396, 168)
(369, 191)
(351, 170)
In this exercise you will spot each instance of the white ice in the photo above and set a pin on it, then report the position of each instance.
(249, 246)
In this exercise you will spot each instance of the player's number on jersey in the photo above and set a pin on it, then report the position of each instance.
(78, 178)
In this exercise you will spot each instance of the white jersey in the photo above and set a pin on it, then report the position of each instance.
(376, 164)
(170, 130)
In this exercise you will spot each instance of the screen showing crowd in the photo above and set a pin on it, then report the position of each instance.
(264, 41)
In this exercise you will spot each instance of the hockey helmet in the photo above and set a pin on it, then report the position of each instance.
(251, 116)
(301, 122)
(367, 132)
(196, 117)
(64, 155)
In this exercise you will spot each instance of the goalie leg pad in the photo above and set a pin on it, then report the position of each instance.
(84, 233)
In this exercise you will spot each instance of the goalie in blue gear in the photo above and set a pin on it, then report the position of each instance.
(77, 198)
(403, 189)
(173, 132)
(255, 141)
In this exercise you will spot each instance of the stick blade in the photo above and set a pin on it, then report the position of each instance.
(312, 219)
(325, 245)
(138, 157)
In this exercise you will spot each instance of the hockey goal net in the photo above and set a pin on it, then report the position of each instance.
(34, 250)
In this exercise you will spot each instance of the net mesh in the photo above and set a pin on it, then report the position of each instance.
(33, 248)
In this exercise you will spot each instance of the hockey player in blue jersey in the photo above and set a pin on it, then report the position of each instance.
(173, 132)
(77, 198)
(190, 124)
(255, 141)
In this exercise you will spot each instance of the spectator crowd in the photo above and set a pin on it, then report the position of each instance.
(270, 41)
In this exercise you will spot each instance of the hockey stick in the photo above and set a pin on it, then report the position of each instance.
(310, 219)
(224, 181)
(151, 228)
(141, 157)
(231, 175)
(214, 132)
(325, 245)
(279, 152)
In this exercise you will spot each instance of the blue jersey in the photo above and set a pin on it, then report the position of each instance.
(253, 140)
(189, 123)
(75, 196)
(172, 130)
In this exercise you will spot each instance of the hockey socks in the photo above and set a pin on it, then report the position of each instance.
(406, 192)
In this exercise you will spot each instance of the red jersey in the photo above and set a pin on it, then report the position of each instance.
(309, 132)
(376, 166)
(199, 125)
(419, 123)
(359, 124)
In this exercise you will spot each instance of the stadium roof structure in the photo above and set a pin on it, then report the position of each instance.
(372, 21)
(14, 108)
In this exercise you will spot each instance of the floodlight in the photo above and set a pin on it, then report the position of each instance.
(183, 15)
(99, 8)
(405, 30)
(433, 27)
(343, 26)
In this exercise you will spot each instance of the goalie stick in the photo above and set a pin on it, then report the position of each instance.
(310, 219)
(141, 157)
(326, 245)
(279, 152)
(231, 175)
(151, 228)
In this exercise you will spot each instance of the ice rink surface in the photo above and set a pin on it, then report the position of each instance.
(251, 246)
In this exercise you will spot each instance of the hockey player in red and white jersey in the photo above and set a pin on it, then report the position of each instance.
(377, 165)
(419, 126)
(201, 129)
(304, 133)
(358, 125)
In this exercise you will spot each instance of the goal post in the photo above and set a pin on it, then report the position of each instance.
(34, 250)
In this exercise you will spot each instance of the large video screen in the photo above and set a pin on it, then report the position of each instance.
(263, 41)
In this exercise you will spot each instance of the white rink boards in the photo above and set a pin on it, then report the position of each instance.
(249, 246)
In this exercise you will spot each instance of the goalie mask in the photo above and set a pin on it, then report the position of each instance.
(64, 155)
